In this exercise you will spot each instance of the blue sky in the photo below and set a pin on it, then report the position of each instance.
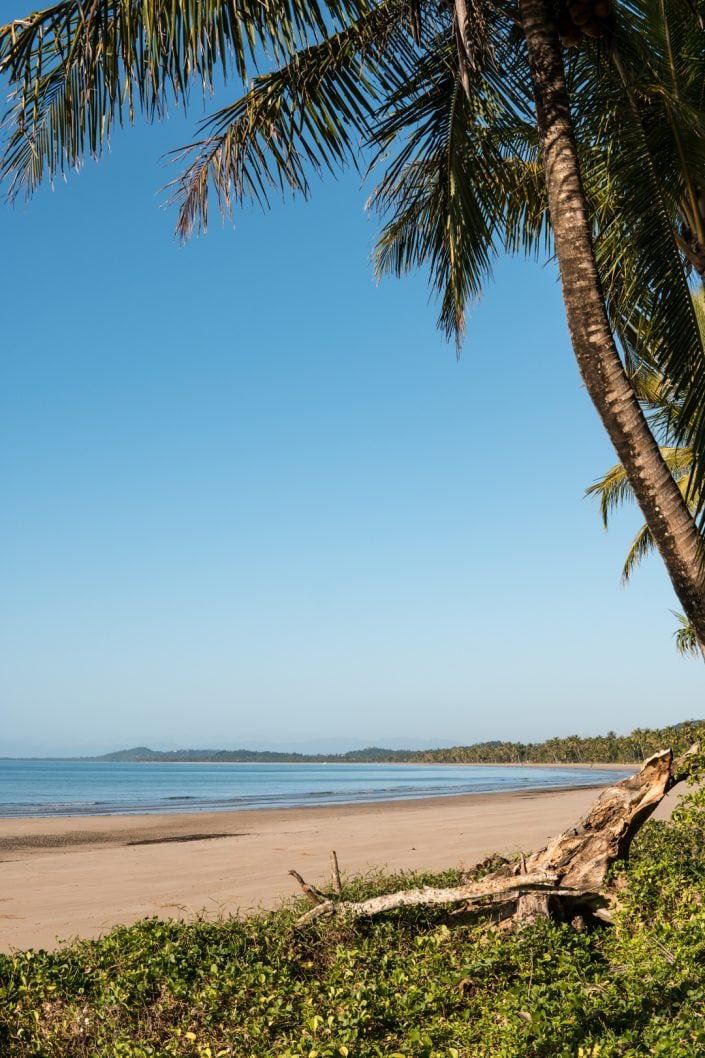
(249, 496)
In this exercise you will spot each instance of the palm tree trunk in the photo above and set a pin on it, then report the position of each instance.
(667, 516)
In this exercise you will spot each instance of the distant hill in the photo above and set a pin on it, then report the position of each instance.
(138, 753)
(571, 749)
(142, 754)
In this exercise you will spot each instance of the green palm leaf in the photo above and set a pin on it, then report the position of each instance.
(636, 193)
(614, 489)
(684, 635)
(437, 194)
(641, 546)
(78, 67)
(311, 114)
(465, 179)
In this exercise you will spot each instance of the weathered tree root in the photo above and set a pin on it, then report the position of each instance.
(564, 880)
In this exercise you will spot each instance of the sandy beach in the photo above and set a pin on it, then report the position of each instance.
(78, 877)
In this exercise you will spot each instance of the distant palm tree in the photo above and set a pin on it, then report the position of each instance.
(465, 108)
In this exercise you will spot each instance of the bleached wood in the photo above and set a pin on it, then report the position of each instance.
(567, 874)
(335, 872)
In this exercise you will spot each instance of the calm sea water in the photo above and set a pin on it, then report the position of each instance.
(77, 788)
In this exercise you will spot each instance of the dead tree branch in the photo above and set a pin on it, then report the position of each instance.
(567, 878)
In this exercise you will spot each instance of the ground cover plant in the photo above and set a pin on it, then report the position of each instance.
(419, 982)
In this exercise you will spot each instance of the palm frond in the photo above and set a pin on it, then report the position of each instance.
(460, 176)
(636, 192)
(641, 546)
(431, 196)
(526, 218)
(685, 637)
(651, 388)
(614, 489)
(309, 115)
(76, 67)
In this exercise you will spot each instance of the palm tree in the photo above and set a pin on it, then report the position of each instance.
(671, 525)
(441, 98)
(614, 489)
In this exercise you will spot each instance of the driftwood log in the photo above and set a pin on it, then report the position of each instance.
(565, 880)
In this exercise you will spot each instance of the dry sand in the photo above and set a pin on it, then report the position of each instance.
(67, 878)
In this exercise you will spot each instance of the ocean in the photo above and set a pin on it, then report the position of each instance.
(43, 788)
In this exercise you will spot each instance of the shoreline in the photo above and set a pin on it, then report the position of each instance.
(588, 764)
(65, 878)
(17, 832)
(203, 804)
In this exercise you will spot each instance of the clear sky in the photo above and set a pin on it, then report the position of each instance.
(249, 496)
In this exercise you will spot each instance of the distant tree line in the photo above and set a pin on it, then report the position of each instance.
(572, 749)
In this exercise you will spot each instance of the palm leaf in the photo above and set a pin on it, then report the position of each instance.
(460, 174)
(641, 546)
(636, 192)
(685, 637)
(77, 67)
(431, 195)
(613, 489)
(309, 115)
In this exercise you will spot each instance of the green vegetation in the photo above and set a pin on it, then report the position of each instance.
(598, 749)
(573, 749)
(419, 984)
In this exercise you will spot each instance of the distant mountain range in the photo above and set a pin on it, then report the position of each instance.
(572, 749)
(234, 756)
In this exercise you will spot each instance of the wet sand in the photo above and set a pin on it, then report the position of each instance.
(78, 877)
